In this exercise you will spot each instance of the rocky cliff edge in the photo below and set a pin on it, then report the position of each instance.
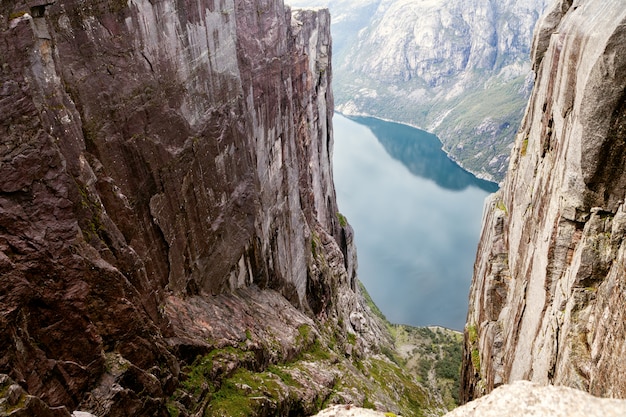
(547, 300)
(168, 223)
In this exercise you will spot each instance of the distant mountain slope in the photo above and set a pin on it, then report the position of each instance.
(458, 69)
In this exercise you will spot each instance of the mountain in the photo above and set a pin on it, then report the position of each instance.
(458, 69)
(170, 242)
(547, 298)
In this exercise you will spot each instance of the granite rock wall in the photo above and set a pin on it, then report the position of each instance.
(547, 301)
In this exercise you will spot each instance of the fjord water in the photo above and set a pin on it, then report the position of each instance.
(416, 216)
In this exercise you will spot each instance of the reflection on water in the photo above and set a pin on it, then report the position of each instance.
(416, 217)
(421, 153)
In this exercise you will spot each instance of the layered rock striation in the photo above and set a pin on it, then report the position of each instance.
(547, 302)
(166, 190)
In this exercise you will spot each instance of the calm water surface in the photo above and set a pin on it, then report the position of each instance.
(416, 216)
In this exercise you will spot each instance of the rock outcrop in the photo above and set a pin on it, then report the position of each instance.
(166, 194)
(523, 398)
(348, 411)
(547, 300)
(16, 402)
(519, 399)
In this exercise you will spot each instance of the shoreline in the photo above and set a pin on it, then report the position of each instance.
(443, 148)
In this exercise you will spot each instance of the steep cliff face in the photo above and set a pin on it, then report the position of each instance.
(547, 300)
(166, 190)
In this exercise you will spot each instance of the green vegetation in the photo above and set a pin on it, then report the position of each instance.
(472, 336)
(230, 381)
(435, 351)
(315, 244)
(172, 409)
(476, 359)
(343, 222)
(315, 371)
(6, 408)
(392, 356)
(434, 355)
(116, 6)
(500, 206)
(472, 333)
(15, 15)
(208, 368)
(304, 331)
(232, 398)
(524, 147)
(229, 391)
(90, 219)
(371, 304)
(368, 404)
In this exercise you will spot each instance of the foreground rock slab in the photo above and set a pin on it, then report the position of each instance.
(348, 411)
(523, 398)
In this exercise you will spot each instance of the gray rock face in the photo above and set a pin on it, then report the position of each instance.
(522, 398)
(546, 302)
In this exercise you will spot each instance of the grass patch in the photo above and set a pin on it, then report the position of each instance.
(230, 381)
(472, 337)
(524, 147)
(476, 359)
(472, 333)
(392, 356)
(17, 14)
(371, 304)
(343, 222)
(201, 374)
(172, 409)
(315, 244)
(411, 395)
(500, 206)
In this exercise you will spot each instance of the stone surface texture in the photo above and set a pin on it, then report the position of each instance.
(519, 399)
(16, 402)
(523, 398)
(348, 411)
(165, 189)
(547, 299)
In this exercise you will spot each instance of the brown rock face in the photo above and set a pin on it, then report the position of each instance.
(547, 301)
(14, 401)
(157, 157)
